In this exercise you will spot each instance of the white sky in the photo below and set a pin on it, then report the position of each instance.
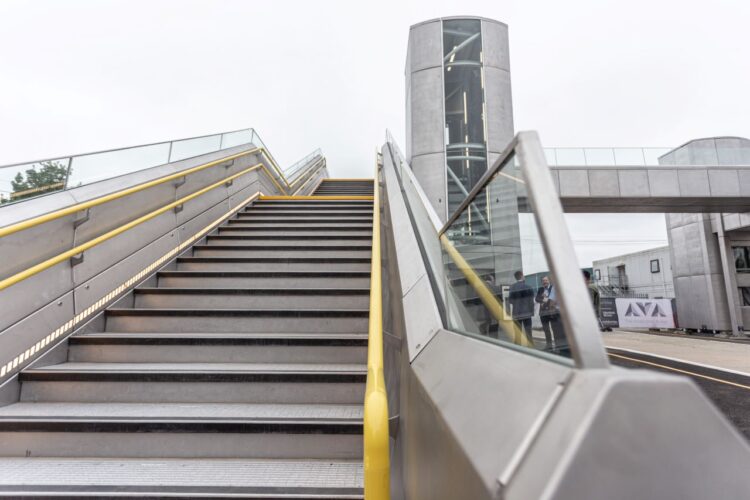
(77, 76)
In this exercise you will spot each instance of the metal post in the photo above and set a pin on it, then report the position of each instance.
(67, 173)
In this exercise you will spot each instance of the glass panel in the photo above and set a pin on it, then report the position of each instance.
(599, 156)
(551, 156)
(98, 166)
(194, 147)
(570, 156)
(629, 156)
(20, 182)
(652, 155)
(466, 148)
(495, 265)
(741, 259)
(232, 139)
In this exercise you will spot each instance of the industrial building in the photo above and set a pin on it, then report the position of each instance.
(647, 274)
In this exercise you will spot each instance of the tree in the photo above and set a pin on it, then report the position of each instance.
(50, 177)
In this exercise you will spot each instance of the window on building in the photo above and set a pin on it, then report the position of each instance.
(742, 259)
(655, 266)
(745, 295)
(597, 275)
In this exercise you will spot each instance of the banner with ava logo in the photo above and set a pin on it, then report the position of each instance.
(644, 313)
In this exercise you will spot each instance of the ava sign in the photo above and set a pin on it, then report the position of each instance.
(645, 313)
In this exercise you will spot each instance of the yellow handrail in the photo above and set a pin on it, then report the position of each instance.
(41, 219)
(376, 455)
(36, 269)
(485, 295)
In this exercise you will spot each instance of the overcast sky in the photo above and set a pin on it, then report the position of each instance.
(77, 76)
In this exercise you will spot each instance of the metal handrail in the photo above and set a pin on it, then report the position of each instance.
(375, 428)
(35, 221)
(36, 269)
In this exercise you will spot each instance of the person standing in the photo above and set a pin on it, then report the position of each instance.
(549, 314)
(595, 297)
(521, 299)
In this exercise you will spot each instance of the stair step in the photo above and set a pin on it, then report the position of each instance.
(308, 237)
(259, 383)
(282, 251)
(313, 219)
(314, 242)
(265, 278)
(207, 430)
(276, 263)
(297, 233)
(175, 412)
(157, 478)
(151, 347)
(307, 226)
(250, 298)
(307, 212)
(237, 320)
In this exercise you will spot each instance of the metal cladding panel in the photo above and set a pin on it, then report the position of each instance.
(427, 126)
(499, 108)
(198, 205)
(574, 183)
(626, 434)
(430, 172)
(694, 182)
(495, 46)
(21, 250)
(19, 300)
(724, 182)
(488, 398)
(633, 182)
(663, 182)
(93, 290)
(425, 49)
(603, 183)
(108, 253)
(34, 328)
(109, 216)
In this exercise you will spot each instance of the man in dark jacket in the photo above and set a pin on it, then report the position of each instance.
(521, 299)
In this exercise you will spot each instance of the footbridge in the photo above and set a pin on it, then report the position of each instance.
(190, 320)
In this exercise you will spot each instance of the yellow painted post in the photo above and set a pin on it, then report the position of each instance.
(376, 453)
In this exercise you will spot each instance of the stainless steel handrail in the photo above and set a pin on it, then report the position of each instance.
(578, 316)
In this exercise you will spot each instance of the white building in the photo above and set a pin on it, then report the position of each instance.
(646, 273)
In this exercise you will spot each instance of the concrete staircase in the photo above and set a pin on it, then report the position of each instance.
(238, 371)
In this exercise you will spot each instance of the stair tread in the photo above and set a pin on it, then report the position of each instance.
(186, 475)
(283, 272)
(253, 291)
(182, 411)
(171, 311)
(150, 337)
(90, 367)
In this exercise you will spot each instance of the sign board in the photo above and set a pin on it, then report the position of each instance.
(608, 312)
(644, 313)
